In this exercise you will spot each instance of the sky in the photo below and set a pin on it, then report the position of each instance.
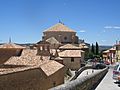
(93, 20)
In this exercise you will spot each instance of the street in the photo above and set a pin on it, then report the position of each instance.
(108, 83)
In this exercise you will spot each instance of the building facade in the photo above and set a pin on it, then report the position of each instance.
(72, 59)
(61, 33)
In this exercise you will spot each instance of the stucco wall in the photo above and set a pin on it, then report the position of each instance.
(118, 53)
(72, 65)
(30, 80)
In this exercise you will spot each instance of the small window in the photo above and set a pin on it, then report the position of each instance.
(72, 59)
(65, 38)
(54, 84)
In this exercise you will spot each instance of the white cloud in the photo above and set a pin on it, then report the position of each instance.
(108, 27)
(116, 27)
(82, 31)
(112, 27)
(103, 40)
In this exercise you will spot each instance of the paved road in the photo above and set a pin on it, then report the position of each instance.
(108, 83)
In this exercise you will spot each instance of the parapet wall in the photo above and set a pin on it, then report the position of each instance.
(84, 83)
(77, 73)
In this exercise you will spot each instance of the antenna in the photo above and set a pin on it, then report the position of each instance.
(61, 22)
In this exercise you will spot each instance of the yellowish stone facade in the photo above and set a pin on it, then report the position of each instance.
(61, 33)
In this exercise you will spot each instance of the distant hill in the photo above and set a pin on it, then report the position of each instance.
(104, 47)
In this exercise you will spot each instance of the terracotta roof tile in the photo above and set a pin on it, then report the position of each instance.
(71, 53)
(83, 45)
(107, 51)
(69, 46)
(29, 60)
(11, 45)
(112, 49)
(59, 28)
(51, 67)
(52, 40)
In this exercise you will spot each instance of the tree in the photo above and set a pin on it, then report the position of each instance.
(97, 49)
(92, 49)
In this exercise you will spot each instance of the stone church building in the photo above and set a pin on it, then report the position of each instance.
(61, 33)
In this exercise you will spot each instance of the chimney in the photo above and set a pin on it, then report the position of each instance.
(41, 57)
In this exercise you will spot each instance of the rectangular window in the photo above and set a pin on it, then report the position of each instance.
(72, 59)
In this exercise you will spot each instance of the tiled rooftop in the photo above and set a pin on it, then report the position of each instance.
(51, 67)
(111, 49)
(83, 45)
(59, 27)
(71, 53)
(52, 40)
(29, 60)
(69, 46)
(106, 51)
(11, 45)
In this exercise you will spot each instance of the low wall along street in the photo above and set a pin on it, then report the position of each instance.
(77, 73)
(84, 83)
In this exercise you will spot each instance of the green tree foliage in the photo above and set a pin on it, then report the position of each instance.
(92, 49)
(97, 49)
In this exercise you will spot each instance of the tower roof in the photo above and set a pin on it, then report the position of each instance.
(59, 27)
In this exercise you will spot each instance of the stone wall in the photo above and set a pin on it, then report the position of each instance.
(64, 37)
(34, 79)
(5, 54)
(72, 65)
(84, 83)
(77, 73)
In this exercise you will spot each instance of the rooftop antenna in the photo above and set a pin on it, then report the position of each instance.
(61, 22)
